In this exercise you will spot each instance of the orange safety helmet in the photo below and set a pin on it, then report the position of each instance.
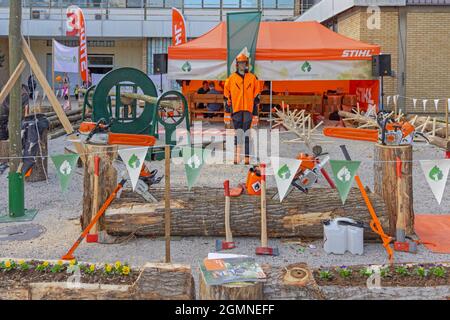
(242, 58)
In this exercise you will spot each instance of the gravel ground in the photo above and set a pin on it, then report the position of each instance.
(59, 214)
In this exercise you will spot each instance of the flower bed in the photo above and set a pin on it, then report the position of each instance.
(33, 279)
(401, 281)
(35, 271)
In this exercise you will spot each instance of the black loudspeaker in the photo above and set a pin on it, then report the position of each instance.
(381, 65)
(160, 61)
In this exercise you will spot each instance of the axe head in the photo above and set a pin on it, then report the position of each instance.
(223, 245)
(266, 251)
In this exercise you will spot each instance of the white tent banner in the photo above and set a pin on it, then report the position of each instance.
(425, 104)
(65, 58)
(275, 70)
(133, 158)
(414, 103)
(284, 171)
(436, 104)
(436, 174)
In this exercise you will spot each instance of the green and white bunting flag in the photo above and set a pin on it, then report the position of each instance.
(344, 173)
(436, 174)
(193, 159)
(65, 167)
(134, 158)
(284, 171)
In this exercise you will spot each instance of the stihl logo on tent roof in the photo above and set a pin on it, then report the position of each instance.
(356, 53)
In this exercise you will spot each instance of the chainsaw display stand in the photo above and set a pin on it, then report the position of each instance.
(385, 180)
(107, 178)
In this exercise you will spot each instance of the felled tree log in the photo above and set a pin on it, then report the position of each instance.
(107, 180)
(440, 126)
(200, 212)
(385, 176)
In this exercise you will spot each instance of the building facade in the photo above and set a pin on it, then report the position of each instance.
(415, 32)
(123, 33)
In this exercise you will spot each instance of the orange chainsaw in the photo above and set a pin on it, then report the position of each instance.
(390, 132)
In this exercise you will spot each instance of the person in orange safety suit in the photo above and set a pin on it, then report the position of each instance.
(241, 94)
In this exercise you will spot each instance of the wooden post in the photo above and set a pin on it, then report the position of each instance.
(385, 177)
(167, 203)
(40, 169)
(4, 151)
(108, 173)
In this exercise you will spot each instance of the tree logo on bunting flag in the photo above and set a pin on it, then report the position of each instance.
(193, 159)
(306, 67)
(134, 162)
(65, 164)
(344, 172)
(284, 170)
(65, 168)
(436, 173)
(134, 158)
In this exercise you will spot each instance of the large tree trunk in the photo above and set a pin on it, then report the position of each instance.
(107, 181)
(200, 212)
(385, 176)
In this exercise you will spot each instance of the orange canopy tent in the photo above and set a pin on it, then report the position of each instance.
(299, 54)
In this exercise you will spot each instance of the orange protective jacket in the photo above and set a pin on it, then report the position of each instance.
(243, 92)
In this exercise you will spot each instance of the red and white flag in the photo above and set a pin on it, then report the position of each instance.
(179, 35)
(76, 26)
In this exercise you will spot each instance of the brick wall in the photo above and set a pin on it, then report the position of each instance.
(428, 56)
(348, 24)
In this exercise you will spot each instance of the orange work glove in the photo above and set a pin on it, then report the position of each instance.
(227, 118)
(255, 121)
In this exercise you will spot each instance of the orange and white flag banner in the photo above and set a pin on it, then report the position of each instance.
(179, 35)
(76, 26)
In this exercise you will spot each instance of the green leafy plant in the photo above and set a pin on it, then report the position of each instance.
(44, 266)
(58, 267)
(8, 265)
(90, 269)
(23, 266)
(438, 271)
(384, 272)
(402, 270)
(325, 274)
(421, 272)
(108, 269)
(366, 272)
(344, 272)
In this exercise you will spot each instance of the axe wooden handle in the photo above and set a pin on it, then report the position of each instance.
(228, 235)
(263, 207)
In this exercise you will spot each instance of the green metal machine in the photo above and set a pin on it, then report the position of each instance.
(115, 99)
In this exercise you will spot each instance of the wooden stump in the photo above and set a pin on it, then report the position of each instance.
(231, 291)
(40, 168)
(4, 151)
(108, 180)
(291, 282)
(385, 177)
